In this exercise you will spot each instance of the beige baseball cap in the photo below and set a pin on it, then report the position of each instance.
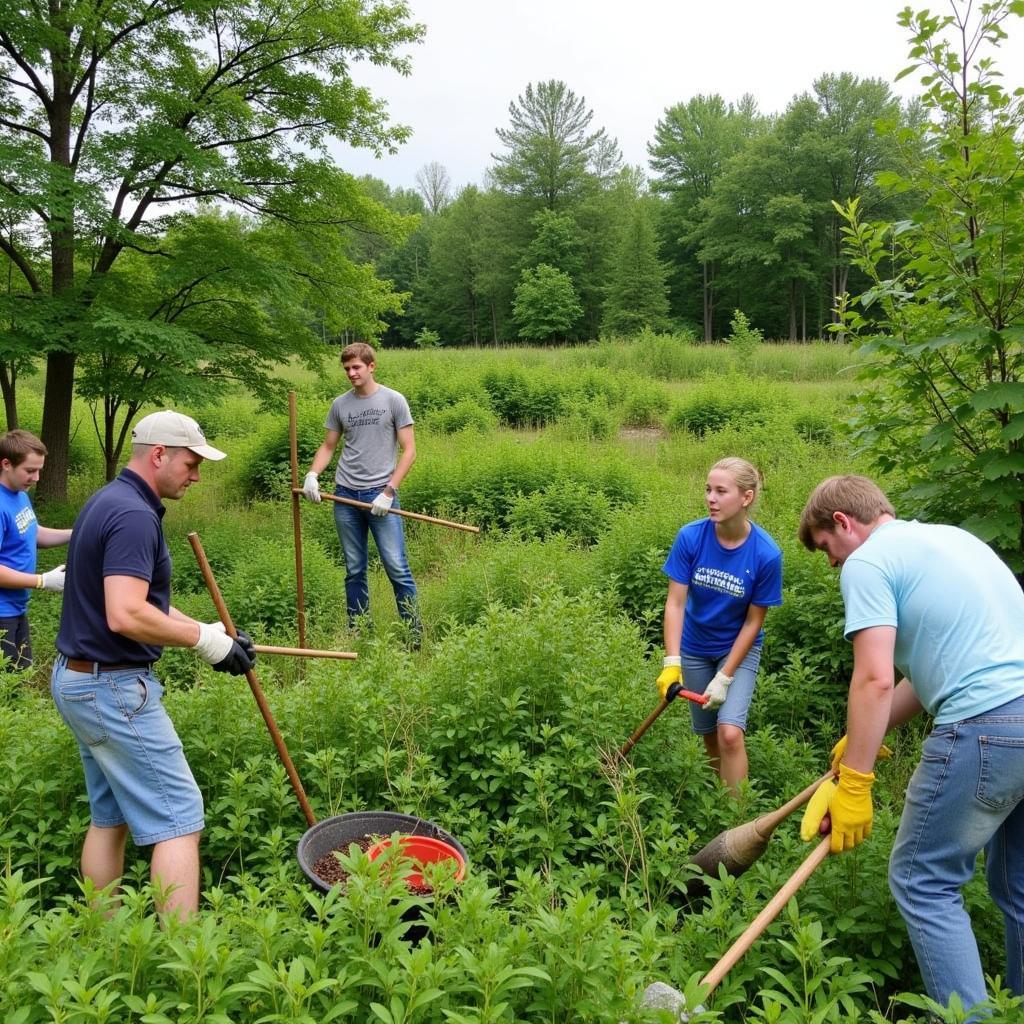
(175, 430)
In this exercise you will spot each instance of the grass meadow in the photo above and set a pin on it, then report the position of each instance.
(541, 646)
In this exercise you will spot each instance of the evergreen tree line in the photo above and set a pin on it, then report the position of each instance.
(563, 242)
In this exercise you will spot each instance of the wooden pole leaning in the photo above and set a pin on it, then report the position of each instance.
(772, 909)
(305, 652)
(674, 692)
(293, 437)
(254, 683)
(395, 512)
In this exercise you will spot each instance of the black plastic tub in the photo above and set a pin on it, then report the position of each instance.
(337, 832)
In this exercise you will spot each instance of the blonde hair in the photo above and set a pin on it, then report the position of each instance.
(857, 496)
(746, 476)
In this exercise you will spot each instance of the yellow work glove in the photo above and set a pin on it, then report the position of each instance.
(848, 802)
(840, 748)
(671, 672)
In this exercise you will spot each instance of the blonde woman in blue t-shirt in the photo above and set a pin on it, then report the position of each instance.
(724, 572)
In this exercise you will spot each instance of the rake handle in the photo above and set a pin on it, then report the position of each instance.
(768, 823)
(250, 676)
(395, 512)
(305, 652)
(697, 698)
(772, 909)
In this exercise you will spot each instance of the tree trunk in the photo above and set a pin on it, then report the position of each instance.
(803, 313)
(60, 384)
(709, 302)
(8, 384)
(792, 309)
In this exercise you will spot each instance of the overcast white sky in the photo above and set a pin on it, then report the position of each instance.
(628, 60)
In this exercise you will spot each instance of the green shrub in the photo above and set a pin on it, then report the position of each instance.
(718, 402)
(268, 473)
(644, 404)
(587, 420)
(524, 401)
(743, 339)
(464, 415)
(570, 508)
(665, 356)
(814, 426)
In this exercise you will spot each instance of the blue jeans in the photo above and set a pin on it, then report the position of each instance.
(353, 525)
(967, 794)
(135, 770)
(699, 670)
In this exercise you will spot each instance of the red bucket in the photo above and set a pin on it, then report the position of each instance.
(422, 850)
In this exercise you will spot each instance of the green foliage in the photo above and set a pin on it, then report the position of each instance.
(743, 339)
(267, 473)
(570, 508)
(546, 306)
(719, 402)
(636, 293)
(943, 315)
(426, 338)
(464, 415)
(644, 405)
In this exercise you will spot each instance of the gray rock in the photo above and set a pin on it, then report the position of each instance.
(659, 996)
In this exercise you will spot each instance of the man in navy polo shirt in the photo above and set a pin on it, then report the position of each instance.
(116, 619)
(21, 458)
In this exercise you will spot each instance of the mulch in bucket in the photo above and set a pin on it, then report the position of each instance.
(364, 828)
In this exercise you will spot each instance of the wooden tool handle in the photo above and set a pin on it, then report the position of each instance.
(644, 726)
(293, 458)
(395, 512)
(254, 683)
(735, 952)
(305, 652)
(768, 823)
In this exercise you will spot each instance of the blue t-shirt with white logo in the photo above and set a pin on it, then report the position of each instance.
(18, 529)
(957, 609)
(723, 583)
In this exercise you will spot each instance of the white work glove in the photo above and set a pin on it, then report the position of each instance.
(716, 691)
(381, 504)
(53, 580)
(311, 487)
(214, 644)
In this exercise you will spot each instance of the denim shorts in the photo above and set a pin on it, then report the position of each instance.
(699, 670)
(135, 769)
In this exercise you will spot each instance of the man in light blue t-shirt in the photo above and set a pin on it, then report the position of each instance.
(941, 606)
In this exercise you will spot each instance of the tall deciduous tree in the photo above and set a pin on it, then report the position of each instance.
(946, 328)
(692, 144)
(435, 185)
(114, 115)
(552, 153)
(546, 306)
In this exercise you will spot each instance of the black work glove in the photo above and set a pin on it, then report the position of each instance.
(239, 659)
(246, 643)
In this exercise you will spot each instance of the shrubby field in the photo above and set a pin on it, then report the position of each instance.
(541, 648)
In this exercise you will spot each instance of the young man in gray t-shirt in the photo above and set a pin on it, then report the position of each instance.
(379, 450)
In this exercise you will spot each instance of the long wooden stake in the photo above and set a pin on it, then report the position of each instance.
(254, 683)
(296, 491)
(293, 436)
(774, 906)
(305, 652)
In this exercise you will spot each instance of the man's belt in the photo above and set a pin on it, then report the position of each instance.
(78, 665)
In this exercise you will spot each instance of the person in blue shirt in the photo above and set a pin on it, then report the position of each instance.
(22, 456)
(724, 572)
(941, 606)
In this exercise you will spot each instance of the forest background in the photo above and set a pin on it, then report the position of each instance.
(175, 233)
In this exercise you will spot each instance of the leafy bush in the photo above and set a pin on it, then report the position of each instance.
(268, 473)
(524, 401)
(814, 426)
(743, 339)
(464, 415)
(644, 405)
(718, 402)
(570, 508)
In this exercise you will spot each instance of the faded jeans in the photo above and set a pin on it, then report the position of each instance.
(354, 525)
(967, 794)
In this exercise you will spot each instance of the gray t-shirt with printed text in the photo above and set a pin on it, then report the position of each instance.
(369, 428)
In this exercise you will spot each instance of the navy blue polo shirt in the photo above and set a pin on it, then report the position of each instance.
(117, 533)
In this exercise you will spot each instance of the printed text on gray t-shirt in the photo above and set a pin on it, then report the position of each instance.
(369, 428)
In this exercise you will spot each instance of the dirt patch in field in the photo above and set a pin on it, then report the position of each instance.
(642, 435)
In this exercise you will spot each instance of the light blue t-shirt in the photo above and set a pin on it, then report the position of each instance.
(957, 609)
(723, 583)
(18, 528)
